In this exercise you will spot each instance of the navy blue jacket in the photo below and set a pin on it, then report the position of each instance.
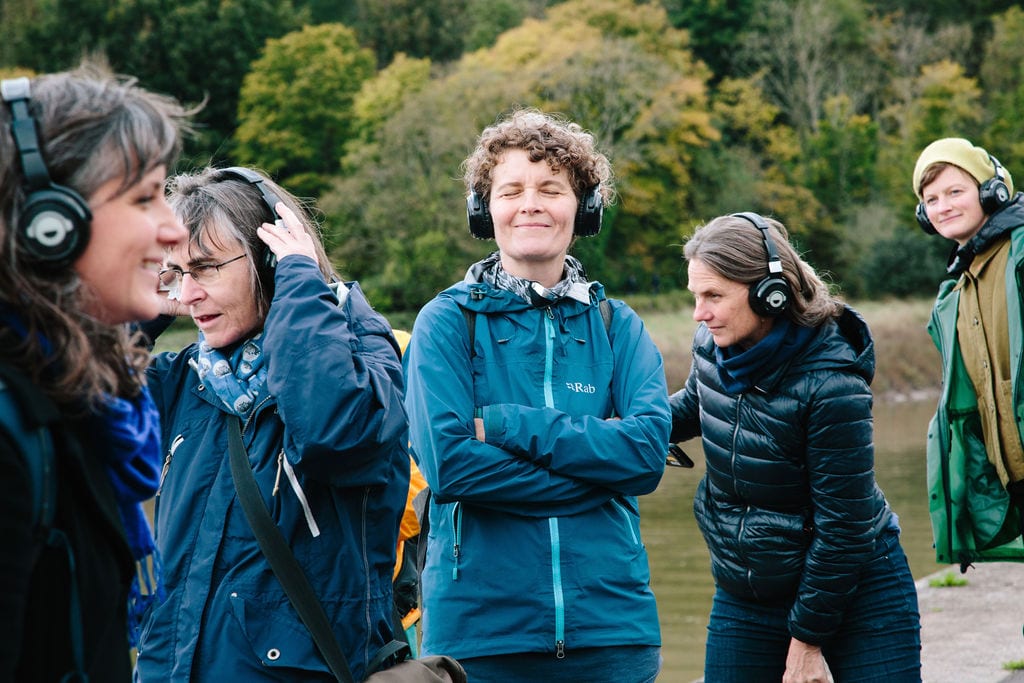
(789, 507)
(328, 446)
(535, 535)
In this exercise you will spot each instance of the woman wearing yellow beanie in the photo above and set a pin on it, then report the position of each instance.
(975, 441)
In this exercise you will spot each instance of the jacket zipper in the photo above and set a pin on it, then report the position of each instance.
(549, 344)
(556, 581)
(556, 547)
(456, 547)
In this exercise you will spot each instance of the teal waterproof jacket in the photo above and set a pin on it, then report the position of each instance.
(534, 542)
(328, 448)
(972, 517)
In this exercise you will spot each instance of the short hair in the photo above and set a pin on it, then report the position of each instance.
(564, 144)
(214, 205)
(733, 248)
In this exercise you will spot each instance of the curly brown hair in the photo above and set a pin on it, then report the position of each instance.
(565, 145)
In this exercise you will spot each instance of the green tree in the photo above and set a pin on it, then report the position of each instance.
(1002, 81)
(295, 111)
(948, 103)
(198, 51)
(843, 153)
(36, 35)
(714, 27)
(617, 68)
(419, 28)
(382, 95)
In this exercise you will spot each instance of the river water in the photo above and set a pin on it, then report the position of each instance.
(680, 574)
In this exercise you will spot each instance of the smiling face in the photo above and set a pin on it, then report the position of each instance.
(534, 212)
(723, 305)
(223, 307)
(952, 204)
(130, 232)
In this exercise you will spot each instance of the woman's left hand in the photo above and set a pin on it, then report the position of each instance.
(805, 664)
(287, 236)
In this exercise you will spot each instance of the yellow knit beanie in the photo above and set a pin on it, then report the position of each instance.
(959, 152)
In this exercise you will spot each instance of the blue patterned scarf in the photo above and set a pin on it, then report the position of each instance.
(237, 380)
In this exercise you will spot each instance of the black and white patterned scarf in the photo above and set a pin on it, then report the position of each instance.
(574, 283)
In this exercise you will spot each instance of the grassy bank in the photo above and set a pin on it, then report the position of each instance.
(908, 363)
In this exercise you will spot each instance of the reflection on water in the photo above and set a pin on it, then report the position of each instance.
(680, 574)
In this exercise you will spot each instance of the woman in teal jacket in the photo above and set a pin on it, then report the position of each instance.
(537, 430)
(975, 445)
(314, 374)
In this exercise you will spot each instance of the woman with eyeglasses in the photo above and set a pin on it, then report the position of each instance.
(311, 373)
(83, 228)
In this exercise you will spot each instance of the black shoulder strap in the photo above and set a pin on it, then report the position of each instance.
(279, 555)
(36, 445)
(604, 305)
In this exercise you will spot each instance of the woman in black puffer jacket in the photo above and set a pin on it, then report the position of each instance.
(804, 549)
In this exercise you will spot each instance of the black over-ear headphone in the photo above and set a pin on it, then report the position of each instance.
(269, 197)
(53, 225)
(588, 214)
(992, 194)
(772, 294)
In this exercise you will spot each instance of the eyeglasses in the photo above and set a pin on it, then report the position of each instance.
(202, 274)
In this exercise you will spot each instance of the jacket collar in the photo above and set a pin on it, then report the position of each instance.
(1004, 220)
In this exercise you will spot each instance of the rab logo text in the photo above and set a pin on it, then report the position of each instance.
(580, 388)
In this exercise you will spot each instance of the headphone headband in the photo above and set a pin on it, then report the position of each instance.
(270, 199)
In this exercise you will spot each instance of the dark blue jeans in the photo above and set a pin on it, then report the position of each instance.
(626, 664)
(879, 640)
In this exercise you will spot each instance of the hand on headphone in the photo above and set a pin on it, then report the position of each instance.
(287, 236)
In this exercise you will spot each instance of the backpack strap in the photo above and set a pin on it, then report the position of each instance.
(24, 417)
(36, 445)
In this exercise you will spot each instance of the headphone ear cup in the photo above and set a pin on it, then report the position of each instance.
(589, 213)
(770, 296)
(921, 214)
(993, 193)
(54, 226)
(479, 216)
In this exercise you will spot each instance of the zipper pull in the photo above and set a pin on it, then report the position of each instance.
(167, 462)
(559, 649)
(163, 473)
(455, 556)
(277, 479)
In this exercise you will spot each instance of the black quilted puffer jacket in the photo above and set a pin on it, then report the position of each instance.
(789, 507)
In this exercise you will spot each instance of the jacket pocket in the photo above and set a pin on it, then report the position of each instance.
(277, 640)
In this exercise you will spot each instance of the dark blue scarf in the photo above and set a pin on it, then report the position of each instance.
(739, 369)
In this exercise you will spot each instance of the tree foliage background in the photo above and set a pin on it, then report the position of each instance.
(812, 111)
